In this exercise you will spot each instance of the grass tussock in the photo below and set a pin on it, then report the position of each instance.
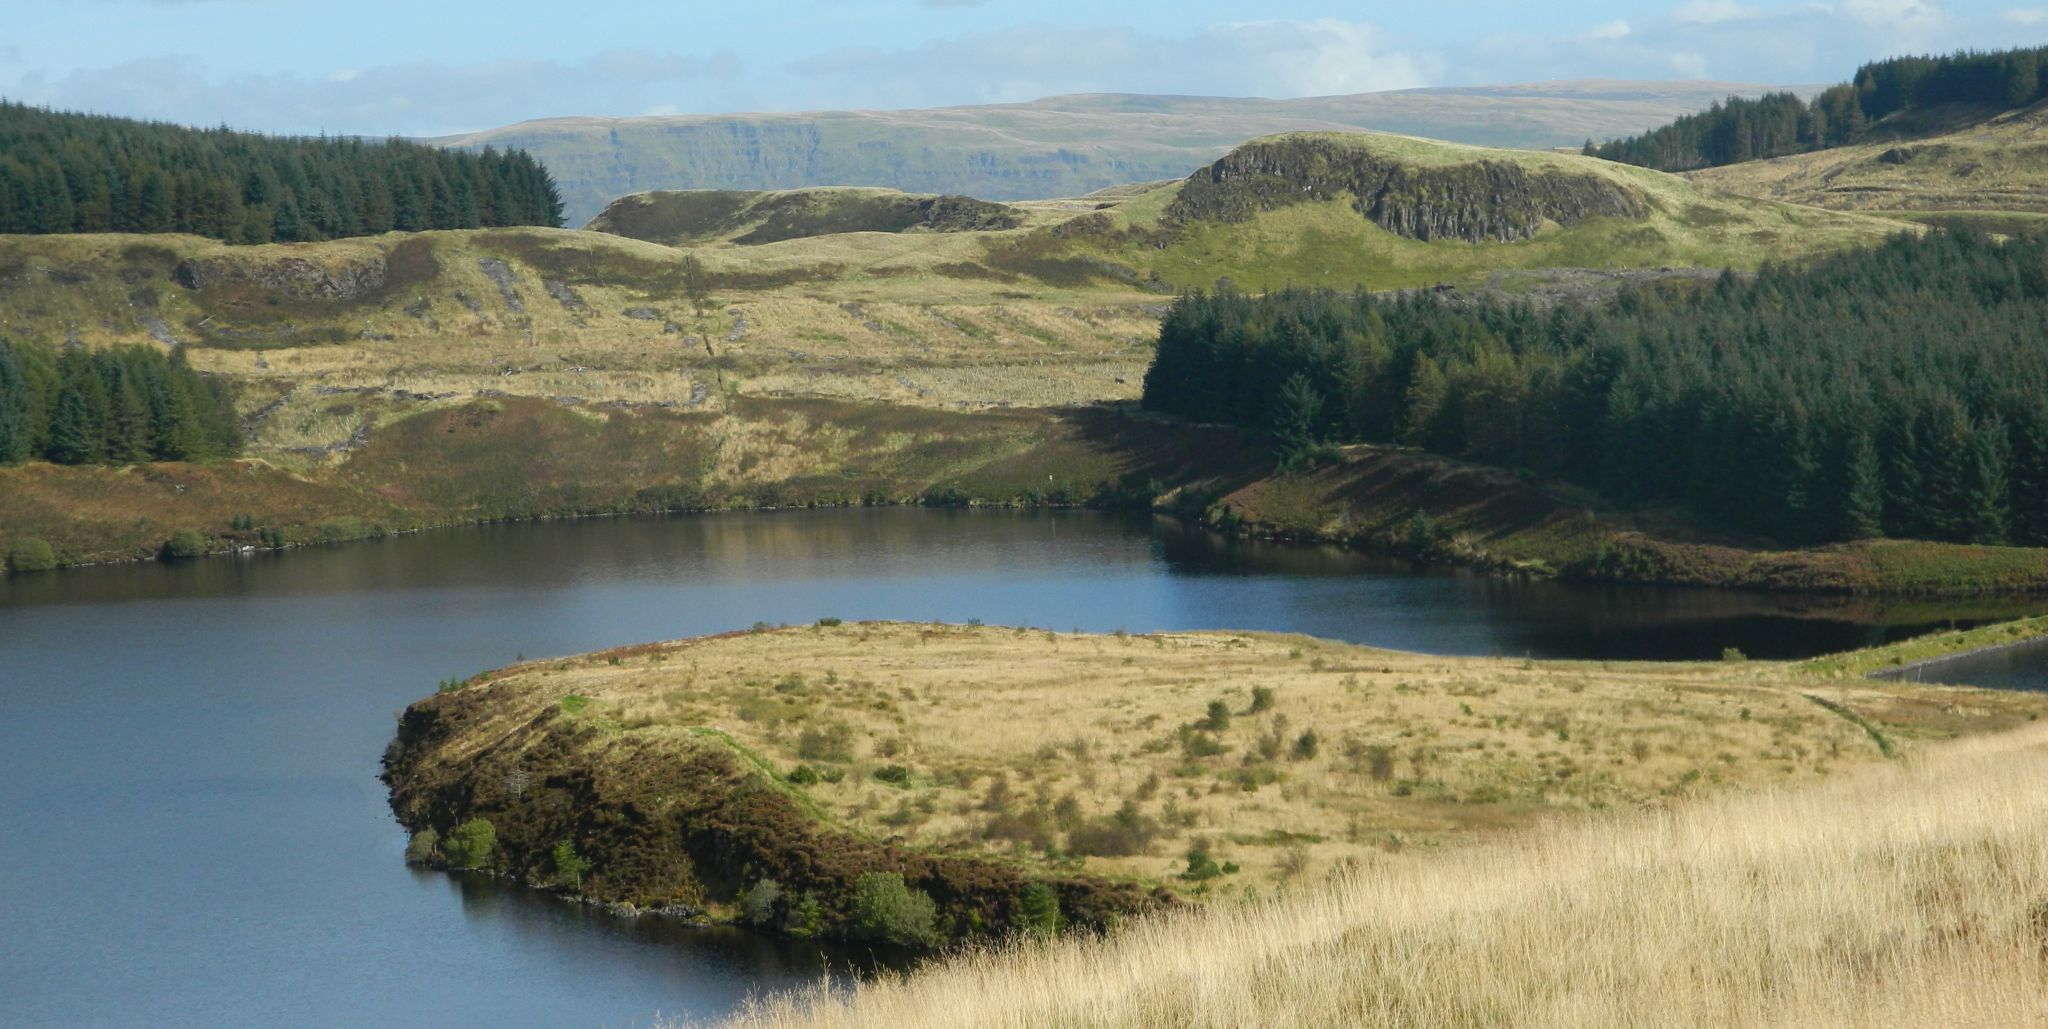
(1908, 893)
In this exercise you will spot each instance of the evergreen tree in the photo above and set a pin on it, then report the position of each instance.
(1863, 493)
(83, 173)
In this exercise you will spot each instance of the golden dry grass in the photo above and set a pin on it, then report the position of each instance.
(1909, 893)
(1998, 165)
(1019, 744)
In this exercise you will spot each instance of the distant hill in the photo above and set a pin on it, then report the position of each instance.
(1059, 146)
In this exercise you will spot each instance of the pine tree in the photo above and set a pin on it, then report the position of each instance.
(15, 438)
(1863, 492)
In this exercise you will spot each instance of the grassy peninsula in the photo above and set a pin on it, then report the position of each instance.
(762, 776)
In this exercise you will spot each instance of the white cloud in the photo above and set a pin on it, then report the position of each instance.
(416, 98)
(1892, 12)
(1713, 12)
(1616, 29)
(2026, 15)
(1250, 58)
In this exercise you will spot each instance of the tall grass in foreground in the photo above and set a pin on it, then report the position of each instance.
(1913, 893)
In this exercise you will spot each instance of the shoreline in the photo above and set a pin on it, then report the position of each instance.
(1441, 555)
(1908, 673)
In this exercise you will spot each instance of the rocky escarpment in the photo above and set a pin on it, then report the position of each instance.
(292, 276)
(1485, 200)
(696, 216)
(673, 821)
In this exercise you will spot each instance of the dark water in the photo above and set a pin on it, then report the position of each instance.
(191, 830)
(2019, 667)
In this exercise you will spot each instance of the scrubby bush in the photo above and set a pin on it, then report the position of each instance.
(1262, 699)
(31, 555)
(757, 903)
(830, 743)
(1123, 834)
(184, 545)
(1218, 718)
(1201, 744)
(471, 844)
(1306, 746)
(894, 775)
(1200, 865)
(886, 909)
(828, 623)
(804, 775)
(570, 867)
(420, 850)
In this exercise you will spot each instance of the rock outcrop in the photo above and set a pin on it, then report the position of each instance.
(1485, 200)
(292, 276)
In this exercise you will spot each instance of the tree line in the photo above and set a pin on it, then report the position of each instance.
(1781, 123)
(119, 405)
(63, 172)
(1900, 391)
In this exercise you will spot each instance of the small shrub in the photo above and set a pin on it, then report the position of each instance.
(828, 623)
(1218, 718)
(757, 903)
(804, 775)
(1262, 699)
(1038, 910)
(471, 844)
(570, 866)
(31, 555)
(1201, 744)
(831, 743)
(894, 775)
(1251, 777)
(887, 909)
(806, 915)
(1732, 655)
(420, 850)
(1306, 746)
(184, 545)
(1201, 866)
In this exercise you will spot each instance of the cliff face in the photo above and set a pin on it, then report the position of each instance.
(1479, 202)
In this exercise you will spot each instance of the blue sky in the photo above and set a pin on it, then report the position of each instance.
(425, 66)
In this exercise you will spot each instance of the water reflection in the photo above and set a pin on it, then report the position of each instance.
(190, 751)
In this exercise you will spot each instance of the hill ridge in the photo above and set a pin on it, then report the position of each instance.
(1050, 147)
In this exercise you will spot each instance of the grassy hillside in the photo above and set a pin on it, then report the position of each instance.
(1975, 171)
(1298, 221)
(330, 340)
(654, 377)
(1088, 759)
(1060, 146)
(1903, 893)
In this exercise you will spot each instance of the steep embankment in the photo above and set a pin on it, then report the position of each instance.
(1060, 146)
(1976, 172)
(1203, 765)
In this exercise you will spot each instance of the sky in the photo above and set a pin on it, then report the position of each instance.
(429, 67)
